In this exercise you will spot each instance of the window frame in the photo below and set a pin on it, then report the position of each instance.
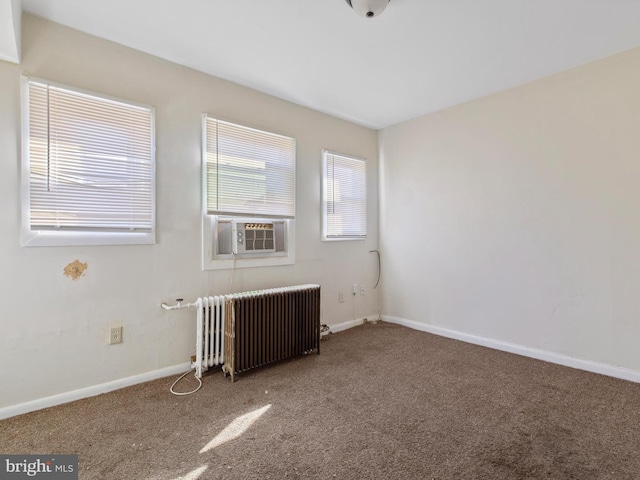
(213, 261)
(324, 202)
(238, 210)
(52, 238)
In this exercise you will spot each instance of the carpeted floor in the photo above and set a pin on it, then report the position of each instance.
(380, 402)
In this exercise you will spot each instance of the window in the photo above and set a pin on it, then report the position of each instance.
(249, 196)
(88, 168)
(248, 171)
(344, 215)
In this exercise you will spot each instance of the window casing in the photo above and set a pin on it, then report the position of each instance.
(88, 169)
(248, 177)
(344, 197)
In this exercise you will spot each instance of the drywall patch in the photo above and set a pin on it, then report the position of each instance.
(75, 269)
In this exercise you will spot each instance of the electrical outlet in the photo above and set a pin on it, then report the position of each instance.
(362, 289)
(340, 296)
(115, 335)
(354, 289)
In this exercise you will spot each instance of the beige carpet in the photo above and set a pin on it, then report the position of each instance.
(380, 402)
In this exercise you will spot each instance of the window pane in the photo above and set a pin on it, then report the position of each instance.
(345, 196)
(91, 162)
(248, 171)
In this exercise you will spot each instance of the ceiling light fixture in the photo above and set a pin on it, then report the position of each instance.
(368, 8)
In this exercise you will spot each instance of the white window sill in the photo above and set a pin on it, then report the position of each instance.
(46, 238)
(342, 239)
(228, 264)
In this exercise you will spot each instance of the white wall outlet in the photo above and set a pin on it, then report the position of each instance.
(115, 335)
(341, 296)
(362, 289)
(354, 289)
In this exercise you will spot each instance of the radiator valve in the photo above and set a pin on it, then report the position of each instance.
(324, 331)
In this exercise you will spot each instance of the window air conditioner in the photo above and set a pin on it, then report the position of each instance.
(250, 238)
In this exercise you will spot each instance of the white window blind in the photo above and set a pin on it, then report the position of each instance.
(91, 162)
(345, 197)
(248, 171)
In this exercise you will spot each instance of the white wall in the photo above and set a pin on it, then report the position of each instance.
(54, 330)
(516, 217)
(10, 23)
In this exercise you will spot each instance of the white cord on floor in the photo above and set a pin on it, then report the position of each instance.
(180, 378)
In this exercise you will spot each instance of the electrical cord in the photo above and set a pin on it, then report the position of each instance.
(379, 267)
(378, 281)
(233, 269)
(180, 378)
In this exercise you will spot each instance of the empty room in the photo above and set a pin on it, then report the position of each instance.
(352, 239)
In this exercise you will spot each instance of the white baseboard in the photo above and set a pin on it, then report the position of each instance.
(66, 397)
(587, 365)
(339, 327)
(560, 359)
(52, 401)
(346, 325)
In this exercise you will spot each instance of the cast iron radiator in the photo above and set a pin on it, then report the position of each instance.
(242, 331)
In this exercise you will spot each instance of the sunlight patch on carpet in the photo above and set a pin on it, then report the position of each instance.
(236, 428)
(193, 474)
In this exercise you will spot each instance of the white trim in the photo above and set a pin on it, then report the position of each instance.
(46, 238)
(91, 93)
(339, 327)
(323, 199)
(92, 391)
(241, 210)
(25, 187)
(552, 357)
(49, 238)
(345, 325)
(342, 239)
(59, 399)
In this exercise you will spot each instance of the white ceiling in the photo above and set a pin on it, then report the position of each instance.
(418, 57)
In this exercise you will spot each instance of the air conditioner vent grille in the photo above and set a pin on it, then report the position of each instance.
(258, 237)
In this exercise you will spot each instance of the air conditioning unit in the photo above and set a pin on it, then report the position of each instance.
(250, 238)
